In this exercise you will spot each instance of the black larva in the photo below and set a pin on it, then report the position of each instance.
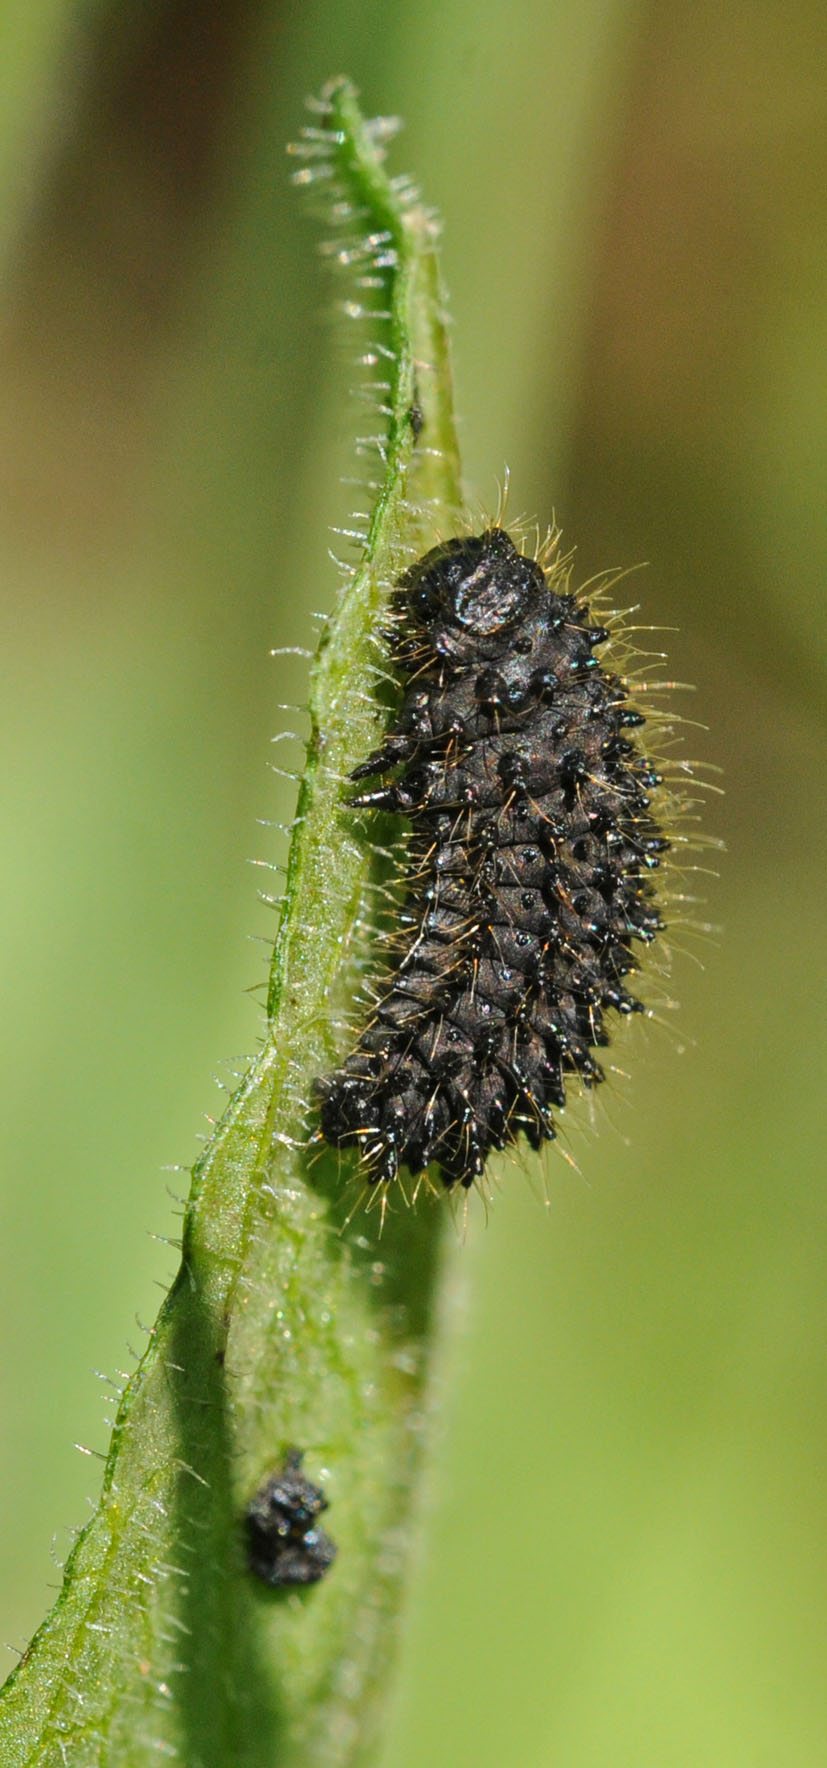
(531, 858)
(284, 1544)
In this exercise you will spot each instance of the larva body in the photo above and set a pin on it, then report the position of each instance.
(531, 855)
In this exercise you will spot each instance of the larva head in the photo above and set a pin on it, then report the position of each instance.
(467, 593)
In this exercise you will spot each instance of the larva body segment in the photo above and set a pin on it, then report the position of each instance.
(531, 858)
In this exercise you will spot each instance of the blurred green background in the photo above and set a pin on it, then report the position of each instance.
(627, 1545)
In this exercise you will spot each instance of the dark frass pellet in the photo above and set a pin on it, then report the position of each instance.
(516, 760)
(284, 1544)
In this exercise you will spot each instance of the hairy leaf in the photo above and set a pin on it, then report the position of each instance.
(279, 1330)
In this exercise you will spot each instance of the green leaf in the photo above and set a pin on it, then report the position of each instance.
(279, 1329)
